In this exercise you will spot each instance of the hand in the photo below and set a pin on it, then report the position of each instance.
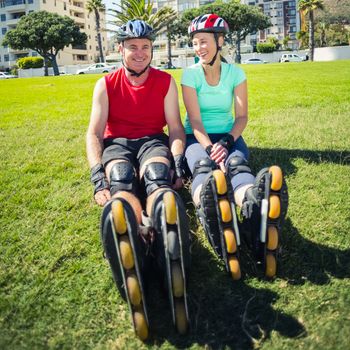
(218, 153)
(102, 197)
(178, 184)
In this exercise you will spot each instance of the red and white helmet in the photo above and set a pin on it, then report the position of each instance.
(209, 23)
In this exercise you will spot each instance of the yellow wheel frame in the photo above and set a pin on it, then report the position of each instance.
(119, 217)
(126, 254)
(270, 266)
(230, 241)
(275, 207)
(225, 210)
(177, 279)
(141, 327)
(170, 208)
(276, 178)
(180, 317)
(272, 238)
(134, 291)
(220, 181)
(235, 269)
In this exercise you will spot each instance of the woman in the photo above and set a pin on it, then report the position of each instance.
(210, 89)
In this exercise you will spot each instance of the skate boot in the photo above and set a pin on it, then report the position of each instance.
(172, 249)
(217, 214)
(264, 210)
(125, 252)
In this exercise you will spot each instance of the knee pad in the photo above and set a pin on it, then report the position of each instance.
(123, 178)
(156, 175)
(204, 166)
(237, 165)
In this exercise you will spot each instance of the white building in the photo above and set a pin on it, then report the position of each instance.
(12, 10)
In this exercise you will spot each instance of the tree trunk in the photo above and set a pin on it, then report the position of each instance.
(46, 69)
(311, 35)
(99, 40)
(238, 51)
(170, 64)
(54, 65)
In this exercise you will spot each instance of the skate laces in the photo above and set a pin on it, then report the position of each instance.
(147, 232)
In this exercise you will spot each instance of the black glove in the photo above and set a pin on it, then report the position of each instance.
(208, 149)
(98, 178)
(227, 141)
(179, 166)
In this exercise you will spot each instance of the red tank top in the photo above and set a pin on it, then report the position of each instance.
(136, 111)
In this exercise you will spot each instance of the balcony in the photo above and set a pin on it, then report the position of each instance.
(13, 5)
(79, 47)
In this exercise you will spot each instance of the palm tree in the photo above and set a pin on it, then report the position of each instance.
(303, 39)
(308, 7)
(96, 6)
(143, 9)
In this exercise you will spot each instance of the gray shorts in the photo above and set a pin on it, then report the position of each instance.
(137, 151)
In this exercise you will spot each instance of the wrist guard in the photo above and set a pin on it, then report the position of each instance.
(227, 141)
(178, 163)
(208, 149)
(98, 178)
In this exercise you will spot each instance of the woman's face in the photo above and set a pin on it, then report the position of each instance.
(204, 46)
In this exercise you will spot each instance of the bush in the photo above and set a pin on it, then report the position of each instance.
(265, 47)
(30, 62)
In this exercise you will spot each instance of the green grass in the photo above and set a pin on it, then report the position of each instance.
(55, 287)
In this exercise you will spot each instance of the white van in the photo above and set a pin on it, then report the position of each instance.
(290, 57)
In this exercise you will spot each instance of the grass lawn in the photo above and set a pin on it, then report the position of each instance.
(56, 290)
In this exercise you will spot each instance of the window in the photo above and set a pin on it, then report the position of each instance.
(6, 58)
(44, 1)
(65, 6)
(3, 30)
(3, 18)
(30, 1)
(34, 54)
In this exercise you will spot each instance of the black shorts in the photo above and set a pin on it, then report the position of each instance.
(137, 151)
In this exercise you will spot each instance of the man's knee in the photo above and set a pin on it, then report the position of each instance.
(157, 175)
(122, 177)
(203, 166)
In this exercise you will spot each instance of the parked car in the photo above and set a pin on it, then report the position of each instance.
(290, 57)
(5, 75)
(254, 61)
(96, 69)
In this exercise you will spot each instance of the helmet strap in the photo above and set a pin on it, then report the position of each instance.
(218, 48)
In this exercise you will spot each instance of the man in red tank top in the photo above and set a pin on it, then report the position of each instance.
(131, 156)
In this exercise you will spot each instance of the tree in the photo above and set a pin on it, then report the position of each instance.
(242, 20)
(303, 39)
(285, 41)
(143, 9)
(96, 6)
(46, 33)
(275, 42)
(308, 7)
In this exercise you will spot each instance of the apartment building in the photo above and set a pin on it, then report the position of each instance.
(12, 10)
(283, 13)
(284, 17)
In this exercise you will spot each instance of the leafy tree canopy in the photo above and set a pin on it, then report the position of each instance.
(45, 32)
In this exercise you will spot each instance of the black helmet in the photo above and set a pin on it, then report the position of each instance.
(135, 29)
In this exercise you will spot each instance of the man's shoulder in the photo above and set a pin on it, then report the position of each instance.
(160, 73)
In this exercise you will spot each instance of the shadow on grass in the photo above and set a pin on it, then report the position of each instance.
(302, 259)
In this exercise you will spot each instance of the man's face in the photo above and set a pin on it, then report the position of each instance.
(136, 53)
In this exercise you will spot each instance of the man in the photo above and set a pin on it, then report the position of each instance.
(129, 156)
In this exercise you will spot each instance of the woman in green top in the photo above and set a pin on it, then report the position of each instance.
(211, 89)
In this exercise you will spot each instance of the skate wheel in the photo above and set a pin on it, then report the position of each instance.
(225, 210)
(180, 317)
(177, 279)
(272, 238)
(220, 181)
(275, 207)
(119, 217)
(276, 178)
(235, 269)
(134, 291)
(270, 265)
(170, 208)
(230, 241)
(126, 254)
(141, 327)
